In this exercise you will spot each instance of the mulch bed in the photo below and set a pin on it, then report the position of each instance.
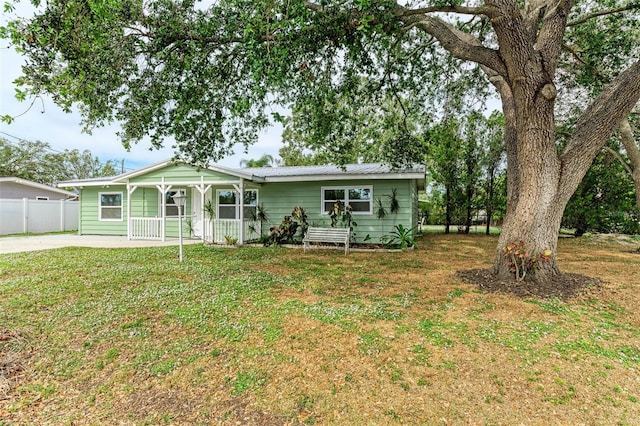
(563, 286)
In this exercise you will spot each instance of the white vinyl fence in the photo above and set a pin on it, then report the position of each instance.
(37, 216)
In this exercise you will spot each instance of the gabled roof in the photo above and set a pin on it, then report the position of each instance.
(279, 174)
(226, 170)
(37, 185)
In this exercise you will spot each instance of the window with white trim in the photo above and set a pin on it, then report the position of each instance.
(229, 204)
(358, 197)
(39, 198)
(110, 205)
(170, 207)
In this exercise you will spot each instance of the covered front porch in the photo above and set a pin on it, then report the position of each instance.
(214, 211)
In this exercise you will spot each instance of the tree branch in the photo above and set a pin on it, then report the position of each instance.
(461, 10)
(596, 14)
(459, 44)
(618, 157)
(314, 6)
(598, 121)
(633, 152)
(549, 39)
(629, 143)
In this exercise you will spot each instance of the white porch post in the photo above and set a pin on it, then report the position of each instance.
(163, 188)
(128, 212)
(240, 188)
(202, 189)
(205, 228)
(130, 191)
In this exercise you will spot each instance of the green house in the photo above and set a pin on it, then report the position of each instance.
(140, 204)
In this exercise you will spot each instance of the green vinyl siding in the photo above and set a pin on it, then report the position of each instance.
(279, 199)
(90, 222)
(145, 202)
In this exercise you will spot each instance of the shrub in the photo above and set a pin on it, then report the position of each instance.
(522, 260)
(400, 237)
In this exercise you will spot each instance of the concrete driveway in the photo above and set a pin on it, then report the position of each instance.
(53, 241)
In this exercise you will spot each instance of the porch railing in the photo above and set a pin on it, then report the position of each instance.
(146, 228)
(231, 228)
(150, 228)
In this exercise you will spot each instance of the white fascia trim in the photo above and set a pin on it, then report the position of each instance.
(81, 184)
(317, 178)
(235, 172)
(185, 184)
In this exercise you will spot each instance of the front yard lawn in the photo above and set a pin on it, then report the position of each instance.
(274, 336)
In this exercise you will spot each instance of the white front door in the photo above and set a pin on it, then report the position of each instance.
(196, 213)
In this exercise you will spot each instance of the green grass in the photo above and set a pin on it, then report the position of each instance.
(275, 336)
(30, 234)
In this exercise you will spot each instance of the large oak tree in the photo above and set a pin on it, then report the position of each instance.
(206, 73)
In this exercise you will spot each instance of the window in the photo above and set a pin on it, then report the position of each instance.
(226, 205)
(110, 206)
(38, 198)
(170, 208)
(359, 198)
(229, 205)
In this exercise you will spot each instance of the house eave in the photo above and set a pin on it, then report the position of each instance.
(341, 177)
(82, 184)
(37, 185)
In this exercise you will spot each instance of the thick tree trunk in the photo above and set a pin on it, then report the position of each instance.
(536, 206)
(535, 197)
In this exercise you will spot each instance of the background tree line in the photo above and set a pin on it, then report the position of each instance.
(37, 162)
(466, 179)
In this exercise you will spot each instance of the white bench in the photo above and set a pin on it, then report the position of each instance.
(327, 235)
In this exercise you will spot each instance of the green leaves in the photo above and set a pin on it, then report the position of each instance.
(36, 161)
(204, 77)
(358, 78)
(20, 95)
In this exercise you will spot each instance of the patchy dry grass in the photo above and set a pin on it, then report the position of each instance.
(272, 336)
